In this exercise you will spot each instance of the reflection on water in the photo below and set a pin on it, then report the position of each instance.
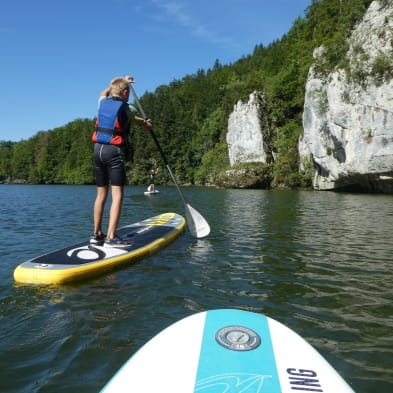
(317, 262)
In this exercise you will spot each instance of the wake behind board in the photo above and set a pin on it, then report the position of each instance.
(222, 351)
(84, 260)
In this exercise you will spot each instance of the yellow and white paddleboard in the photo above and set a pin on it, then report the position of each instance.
(85, 260)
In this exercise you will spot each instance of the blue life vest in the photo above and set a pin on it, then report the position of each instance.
(111, 124)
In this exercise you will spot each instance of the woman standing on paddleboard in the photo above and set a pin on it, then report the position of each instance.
(111, 137)
(153, 174)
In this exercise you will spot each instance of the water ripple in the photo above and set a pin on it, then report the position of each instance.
(317, 262)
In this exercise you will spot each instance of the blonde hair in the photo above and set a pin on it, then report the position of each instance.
(118, 85)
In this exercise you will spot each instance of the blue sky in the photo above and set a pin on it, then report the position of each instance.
(57, 56)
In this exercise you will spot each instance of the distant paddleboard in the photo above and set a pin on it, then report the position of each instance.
(227, 351)
(84, 260)
(153, 192)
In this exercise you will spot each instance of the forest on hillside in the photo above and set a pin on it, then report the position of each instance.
(191, 114)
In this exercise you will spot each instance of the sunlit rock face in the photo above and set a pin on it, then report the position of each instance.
(348, 114)
(244, 137)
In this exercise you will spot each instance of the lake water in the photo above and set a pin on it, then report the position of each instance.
(321, 263)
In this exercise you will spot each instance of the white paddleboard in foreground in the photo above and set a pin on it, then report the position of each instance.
(227, 351)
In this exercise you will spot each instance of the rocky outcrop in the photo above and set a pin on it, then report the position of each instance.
(248, 139)
(348, 114)
(347, 118)
(244, 138)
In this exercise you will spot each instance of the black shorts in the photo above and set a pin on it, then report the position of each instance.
(109, 165)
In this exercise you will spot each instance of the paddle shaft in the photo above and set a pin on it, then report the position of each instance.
(196, 223)
(158, 146)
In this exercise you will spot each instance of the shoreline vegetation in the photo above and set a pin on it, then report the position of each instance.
(191, 116)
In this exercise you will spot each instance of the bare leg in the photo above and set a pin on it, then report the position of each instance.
(102, 193)
(114, 215)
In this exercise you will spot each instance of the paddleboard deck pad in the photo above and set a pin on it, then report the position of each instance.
(85, 260)
(227, 351)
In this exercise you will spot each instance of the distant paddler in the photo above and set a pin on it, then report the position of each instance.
(153, 174)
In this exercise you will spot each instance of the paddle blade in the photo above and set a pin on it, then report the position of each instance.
(197, 225)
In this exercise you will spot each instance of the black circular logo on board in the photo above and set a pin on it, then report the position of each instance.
(238, 338)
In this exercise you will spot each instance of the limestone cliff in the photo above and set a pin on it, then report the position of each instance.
(248, 139)
(348, 114)
(244, 137)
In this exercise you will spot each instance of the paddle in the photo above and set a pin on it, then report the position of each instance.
(196, 223)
